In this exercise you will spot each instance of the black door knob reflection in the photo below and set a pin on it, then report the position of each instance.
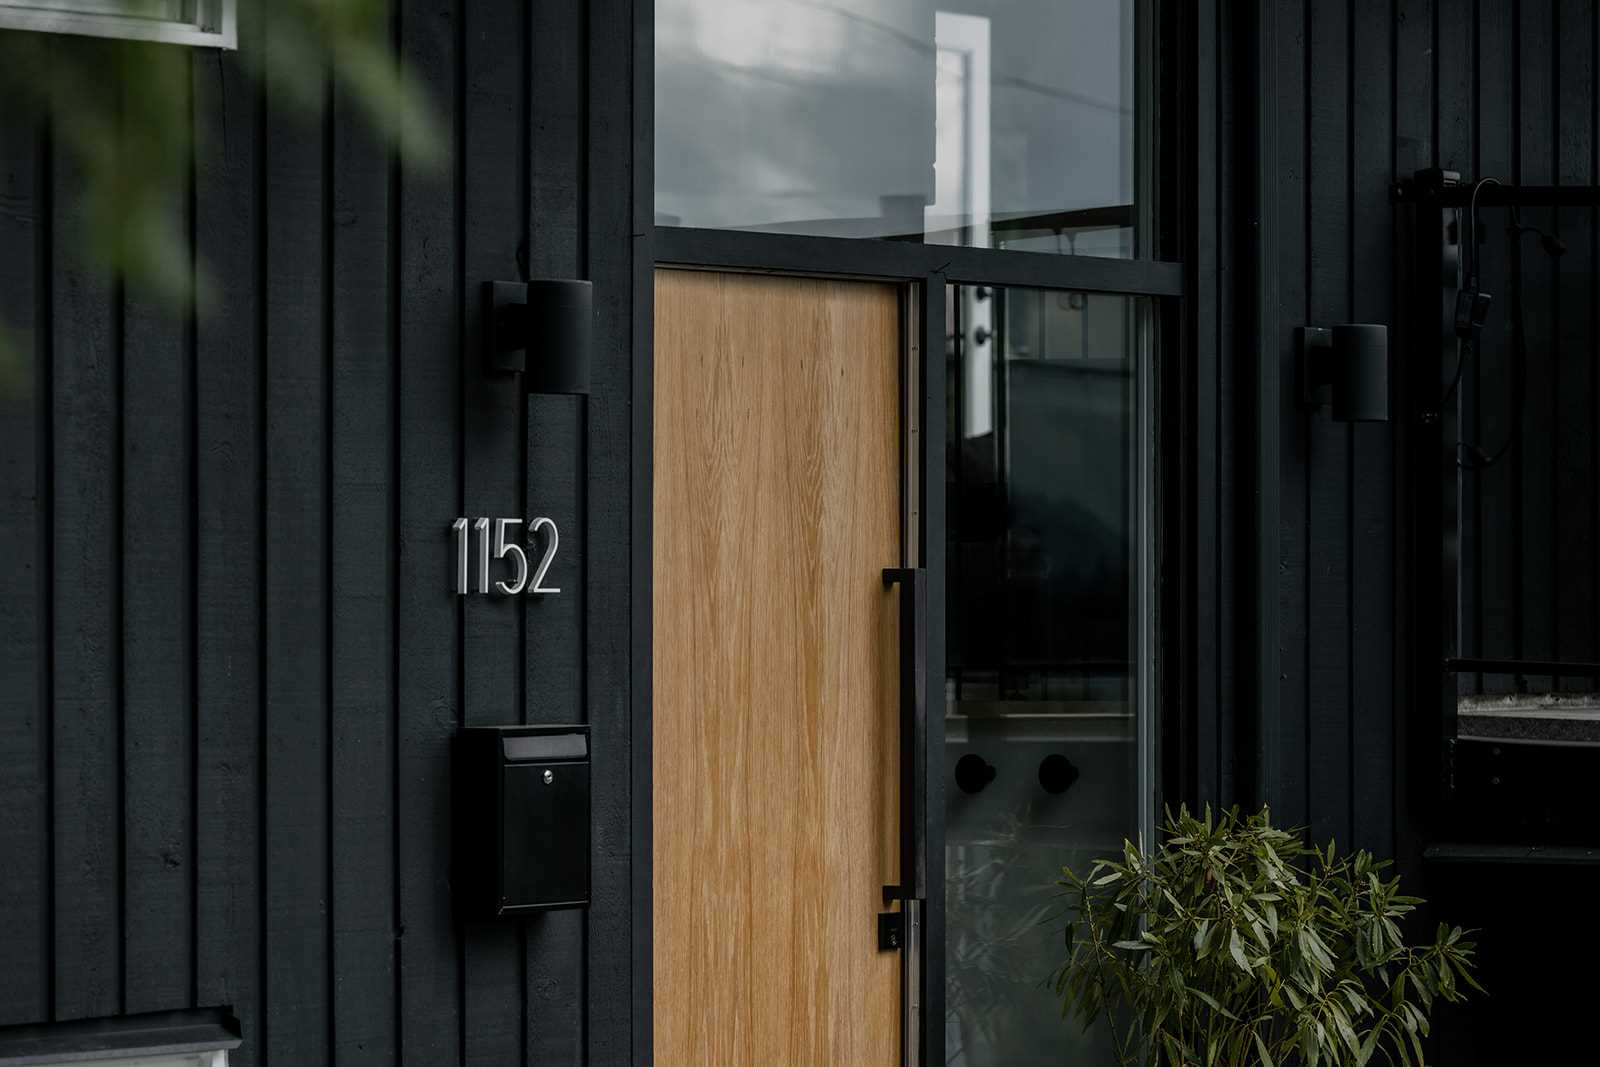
(1057, 773)
(973, 772)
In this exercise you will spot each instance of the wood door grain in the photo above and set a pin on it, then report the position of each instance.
(777, 505)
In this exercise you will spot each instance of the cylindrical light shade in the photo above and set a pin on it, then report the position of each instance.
(1360, 372)
(560, 320)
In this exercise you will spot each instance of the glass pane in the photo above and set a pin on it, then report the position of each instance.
(993, 123)
(1045, 482)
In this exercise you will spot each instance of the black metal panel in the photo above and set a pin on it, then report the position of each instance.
(641, 526)
(931, 342)
(1411, 149)
(1195, 592)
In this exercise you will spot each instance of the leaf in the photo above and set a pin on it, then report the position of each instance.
(1236, 950)
(1312, 946)
(1132, 946)
(1368, 1046)
(1416, 1046)
(1214, 1004)
(1346, 1031)
(1261, 1047)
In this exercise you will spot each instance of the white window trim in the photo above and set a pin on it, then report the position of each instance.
(213, 24)
(216, 1058)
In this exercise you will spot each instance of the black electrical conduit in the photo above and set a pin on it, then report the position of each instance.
(1471, 309)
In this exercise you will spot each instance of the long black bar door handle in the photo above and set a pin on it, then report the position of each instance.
(913, 583)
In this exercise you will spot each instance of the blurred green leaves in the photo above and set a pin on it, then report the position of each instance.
(308, 39)
(1236, 943)
(119, 117)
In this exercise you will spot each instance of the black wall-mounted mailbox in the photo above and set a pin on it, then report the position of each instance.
(521, 801)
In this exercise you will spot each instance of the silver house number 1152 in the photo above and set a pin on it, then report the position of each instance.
(505, 547)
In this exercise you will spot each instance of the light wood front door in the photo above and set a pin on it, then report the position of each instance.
(777, 478)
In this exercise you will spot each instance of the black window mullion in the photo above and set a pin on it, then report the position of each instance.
(901, 260)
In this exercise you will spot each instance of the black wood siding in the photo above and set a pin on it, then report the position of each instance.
(1292, 543)
(1346, 110)
(1288, 620)
(230, 659)
(1530, 584)
(1294, 555)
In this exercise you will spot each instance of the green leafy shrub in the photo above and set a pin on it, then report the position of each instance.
(1236, 943)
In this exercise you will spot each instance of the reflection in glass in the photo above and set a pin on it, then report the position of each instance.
(1044, 483)
(990, 123)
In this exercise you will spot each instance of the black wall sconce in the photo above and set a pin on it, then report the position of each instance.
(541, 329)
(1349, 365)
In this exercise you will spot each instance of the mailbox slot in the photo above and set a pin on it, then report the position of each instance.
(521, 801)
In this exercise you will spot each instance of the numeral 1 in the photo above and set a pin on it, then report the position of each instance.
(482, 526)
(460, 528)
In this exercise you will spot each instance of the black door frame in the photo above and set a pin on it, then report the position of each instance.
(1176, 219)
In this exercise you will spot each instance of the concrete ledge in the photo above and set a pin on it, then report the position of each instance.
(1546, 719)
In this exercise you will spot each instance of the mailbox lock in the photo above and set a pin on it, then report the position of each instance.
(549, 776)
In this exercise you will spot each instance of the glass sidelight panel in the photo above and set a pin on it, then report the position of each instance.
(1047, 696)
(986, 123)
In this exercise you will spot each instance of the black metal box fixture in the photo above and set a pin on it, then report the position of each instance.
(521, 798)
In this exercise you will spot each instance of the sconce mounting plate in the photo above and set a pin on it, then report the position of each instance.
(1313, 345)
(505, 326)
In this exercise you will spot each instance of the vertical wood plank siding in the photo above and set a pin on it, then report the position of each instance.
(231, 660)
(230, 408)
(1367, 93)
(87, 710)
(27, 926)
